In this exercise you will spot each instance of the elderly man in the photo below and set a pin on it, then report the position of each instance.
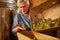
(22, 18)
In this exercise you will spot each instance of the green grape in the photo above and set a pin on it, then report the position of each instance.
(57, 22)
(22, 25)
(47, 26)
(33, 25)
(56, 25)
(34, 38)
(42, 24)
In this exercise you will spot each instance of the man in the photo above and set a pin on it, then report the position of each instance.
(22, 18)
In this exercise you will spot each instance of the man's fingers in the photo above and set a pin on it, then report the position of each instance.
(22, 28)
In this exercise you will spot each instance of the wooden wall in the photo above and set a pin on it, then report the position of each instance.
(53, 12)
(48, 9)
(4, 23)
(35, 3)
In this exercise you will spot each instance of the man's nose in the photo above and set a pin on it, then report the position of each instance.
(23, 8)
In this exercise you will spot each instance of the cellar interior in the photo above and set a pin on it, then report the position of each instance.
(45, 20)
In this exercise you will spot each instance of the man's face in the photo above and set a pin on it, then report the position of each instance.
(23, 7)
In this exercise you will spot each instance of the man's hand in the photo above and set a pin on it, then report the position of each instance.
(17, 29)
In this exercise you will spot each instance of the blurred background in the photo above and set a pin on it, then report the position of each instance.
(39, 9)
(7, 10)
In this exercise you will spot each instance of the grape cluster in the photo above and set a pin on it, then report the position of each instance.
(42, 24)
(34, 38)
(21, 25)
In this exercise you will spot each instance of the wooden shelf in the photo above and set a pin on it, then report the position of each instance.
(50, 29)
(45, 5)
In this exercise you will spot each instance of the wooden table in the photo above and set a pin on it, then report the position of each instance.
(39, 36)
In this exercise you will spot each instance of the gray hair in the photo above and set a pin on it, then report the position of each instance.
(27, 1)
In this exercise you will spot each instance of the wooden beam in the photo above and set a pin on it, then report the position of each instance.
(45, 5)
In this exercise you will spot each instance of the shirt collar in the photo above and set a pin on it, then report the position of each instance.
(18, 11)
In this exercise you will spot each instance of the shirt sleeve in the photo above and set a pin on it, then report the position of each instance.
(15, 21)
